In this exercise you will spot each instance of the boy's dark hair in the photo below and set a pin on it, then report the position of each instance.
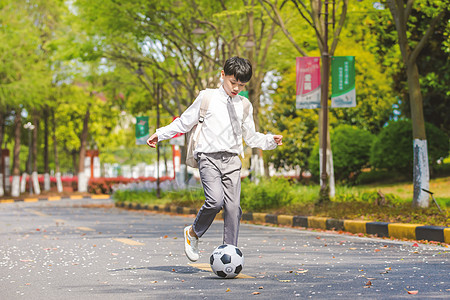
(241, 68)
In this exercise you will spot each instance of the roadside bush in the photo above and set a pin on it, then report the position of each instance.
(380, 176)
(392, 149)
(268, 194)
(351, 152)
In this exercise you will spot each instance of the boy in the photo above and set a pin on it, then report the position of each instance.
(219, 144)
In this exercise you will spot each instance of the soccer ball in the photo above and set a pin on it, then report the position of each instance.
(227, 261)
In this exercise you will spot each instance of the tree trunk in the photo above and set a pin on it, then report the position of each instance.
(400, 14)
(15, 187)
(34, 174)
(46, 151)
(59, 186)
(82, 178)
(421, 171)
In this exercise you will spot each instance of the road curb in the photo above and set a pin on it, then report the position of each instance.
(55, 198)
(380, 229)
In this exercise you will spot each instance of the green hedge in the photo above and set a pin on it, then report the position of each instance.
(351, 152)
(268, 194)
(392, 149)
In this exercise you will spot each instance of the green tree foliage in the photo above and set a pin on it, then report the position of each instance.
(351, 152)
(432, 62)
(298, 127)
(393, 148)
(23, 74)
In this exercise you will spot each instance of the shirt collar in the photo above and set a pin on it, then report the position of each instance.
(222, 90)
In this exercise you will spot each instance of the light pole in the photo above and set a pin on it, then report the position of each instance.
(30, 128)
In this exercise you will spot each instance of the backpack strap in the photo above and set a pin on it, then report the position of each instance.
(246, 106)
(203, 110)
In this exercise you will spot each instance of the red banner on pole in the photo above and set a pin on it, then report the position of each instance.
(308, 82)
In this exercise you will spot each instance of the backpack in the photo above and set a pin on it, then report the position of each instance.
(193, 134)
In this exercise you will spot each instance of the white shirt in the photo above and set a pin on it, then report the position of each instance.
(217, 134)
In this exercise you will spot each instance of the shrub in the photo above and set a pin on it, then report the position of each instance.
(351, 152)
(379, 176)
(393, 148)
(268, 194)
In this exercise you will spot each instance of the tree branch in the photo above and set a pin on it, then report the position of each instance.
(277, 19)
(424, 39)
(408, 9)
(339, 27)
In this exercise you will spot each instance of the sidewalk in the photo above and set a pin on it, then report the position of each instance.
(379, 229)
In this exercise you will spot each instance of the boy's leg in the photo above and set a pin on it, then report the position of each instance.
(210, 175)
(231, 182)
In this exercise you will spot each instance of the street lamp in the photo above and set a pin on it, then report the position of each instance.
(30, 128)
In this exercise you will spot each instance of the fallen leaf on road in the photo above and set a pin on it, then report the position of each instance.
(256, 293)
(415, 245)
(412, 292)
(261, 287)
(284, 280)
(368, 283)
(154, 281)
(228, 290)
(302, 271)
(377, 250)
(165, 236)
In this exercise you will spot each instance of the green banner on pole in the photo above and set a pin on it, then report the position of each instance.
(244, 93)
(142, 130)
(343, 81)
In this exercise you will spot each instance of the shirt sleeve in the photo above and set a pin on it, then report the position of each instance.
(184, 123)
(256, 139)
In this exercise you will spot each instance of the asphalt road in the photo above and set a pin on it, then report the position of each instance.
(72, 249)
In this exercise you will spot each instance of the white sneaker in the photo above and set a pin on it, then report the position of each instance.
(190, 245)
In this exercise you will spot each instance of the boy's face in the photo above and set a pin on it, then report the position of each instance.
(232, 86)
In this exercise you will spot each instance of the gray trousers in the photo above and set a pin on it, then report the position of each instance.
(220, 174)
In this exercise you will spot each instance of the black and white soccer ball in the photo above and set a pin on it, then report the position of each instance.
(227, 261)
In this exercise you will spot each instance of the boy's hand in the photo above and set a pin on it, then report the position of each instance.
(278, 139)
(152, 140)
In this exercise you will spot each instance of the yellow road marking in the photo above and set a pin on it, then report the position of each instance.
(129, 242)
(76, 197)
(38, 213)
(259, 217)
(85, 229)
(355, 226)
(7, 201)
(30, 200)
(56, 198)
(317, 222)
(100, 197)
(207, 267)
